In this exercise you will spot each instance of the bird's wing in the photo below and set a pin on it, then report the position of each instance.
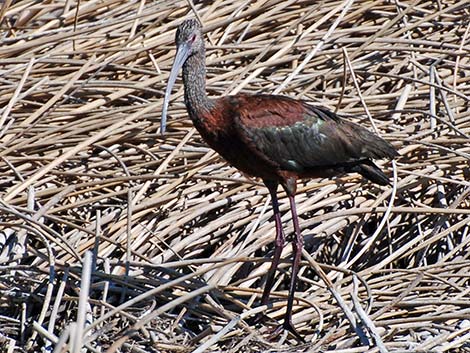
(297, 136)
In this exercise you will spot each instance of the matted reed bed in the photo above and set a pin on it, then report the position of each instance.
(115, 238)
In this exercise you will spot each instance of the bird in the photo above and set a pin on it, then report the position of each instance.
(273, 137)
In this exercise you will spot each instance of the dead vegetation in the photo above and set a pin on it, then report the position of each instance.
(178, 241)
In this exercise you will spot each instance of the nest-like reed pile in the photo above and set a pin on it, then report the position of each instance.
(179, 240)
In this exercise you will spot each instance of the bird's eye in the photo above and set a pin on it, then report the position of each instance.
(192, 38)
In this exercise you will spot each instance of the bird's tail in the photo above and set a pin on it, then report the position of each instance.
(373, 173)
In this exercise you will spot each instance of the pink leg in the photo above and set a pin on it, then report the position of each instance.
(297, 244)
(279, 243)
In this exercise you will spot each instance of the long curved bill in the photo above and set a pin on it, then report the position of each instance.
(182, 54)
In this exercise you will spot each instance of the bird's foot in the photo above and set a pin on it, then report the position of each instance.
(276, 330)
(259, 318)
(286, 328)
(289, 328)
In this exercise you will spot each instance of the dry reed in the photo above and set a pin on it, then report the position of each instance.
(179, 240)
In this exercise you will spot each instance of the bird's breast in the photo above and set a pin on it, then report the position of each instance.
(222, 136)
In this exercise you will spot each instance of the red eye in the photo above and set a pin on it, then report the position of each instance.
(192, 38)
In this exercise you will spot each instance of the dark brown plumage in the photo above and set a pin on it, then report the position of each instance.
(276, 138)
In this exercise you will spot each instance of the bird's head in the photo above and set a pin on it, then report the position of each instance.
(189, 36)
(189, 41)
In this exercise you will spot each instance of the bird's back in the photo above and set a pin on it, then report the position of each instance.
(264, 135)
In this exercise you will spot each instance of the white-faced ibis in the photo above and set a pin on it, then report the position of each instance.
(275, 138)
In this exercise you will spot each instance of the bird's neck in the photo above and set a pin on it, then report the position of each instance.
(194, 79)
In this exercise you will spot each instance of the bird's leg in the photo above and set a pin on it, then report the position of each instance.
(297, 244)
(279, 243)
